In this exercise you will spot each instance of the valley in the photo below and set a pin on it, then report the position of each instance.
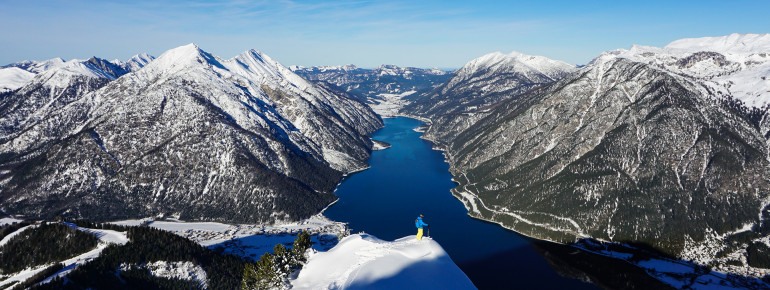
(647, 163)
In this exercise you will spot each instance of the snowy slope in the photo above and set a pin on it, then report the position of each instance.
(736, 65)
(364, 262)
(254, 75)
(135, 62)
(51, 90)
(736, 43)
(498, 63)
(37, 67)
(639, 145)
(47, 86)
(13, 78)
(487, 80)
(19, 74)
(9, 220)
(190, 135)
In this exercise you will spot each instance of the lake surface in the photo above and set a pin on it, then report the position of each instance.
(409, 179)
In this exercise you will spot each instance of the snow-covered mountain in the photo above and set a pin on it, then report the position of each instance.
(51, 85)
(638, 146)
(735, 66)
(497, 63)
(478, 85)
(487, 80)
(37, 67)
(16, 75)
(370, 85)
(189, 135)
(135, 62)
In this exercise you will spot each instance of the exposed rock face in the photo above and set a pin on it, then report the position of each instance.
(637, 146)
(193, 136)
(369, 84)
(693, 59)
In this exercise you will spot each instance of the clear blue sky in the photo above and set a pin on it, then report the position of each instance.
(443, 34)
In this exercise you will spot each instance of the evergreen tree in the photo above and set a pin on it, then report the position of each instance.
(301, 244)
(250, 276)
(267, 272)
(272, 270)
(283, 260)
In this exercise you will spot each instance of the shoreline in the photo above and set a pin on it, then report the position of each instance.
(582, 242)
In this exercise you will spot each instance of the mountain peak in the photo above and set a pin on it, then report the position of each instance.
(143, 58)
(190, 49)
(255, 55)
(516, 61)
(387, 66)
(253, 61)
(188, 55)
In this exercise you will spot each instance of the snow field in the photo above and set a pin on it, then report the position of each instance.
(249, 240)
(13, 78)
(357, 261)
(744, 76)
(175, 270)
(364, 261)
(391, 104)
(8, 221)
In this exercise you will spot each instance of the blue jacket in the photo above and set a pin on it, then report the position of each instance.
(419, 223)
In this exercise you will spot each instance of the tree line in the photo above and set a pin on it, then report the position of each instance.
(47, 243)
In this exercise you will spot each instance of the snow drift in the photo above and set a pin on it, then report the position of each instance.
(363, 261)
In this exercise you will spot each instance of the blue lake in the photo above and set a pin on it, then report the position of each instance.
(411, 178)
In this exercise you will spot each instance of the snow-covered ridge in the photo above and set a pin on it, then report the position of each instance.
(13, 78)
(324, 68)
(736, 65)
(19, 74)
(498, 62)
(37, 66)
(253, 115)
(486, 80)
(736, 43)
(364, 261)
(250, 66)
(135, 62)
(253, 70)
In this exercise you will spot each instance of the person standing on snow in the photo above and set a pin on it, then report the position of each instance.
(420, 224)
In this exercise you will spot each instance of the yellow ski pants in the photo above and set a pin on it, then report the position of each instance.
(419, 234)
